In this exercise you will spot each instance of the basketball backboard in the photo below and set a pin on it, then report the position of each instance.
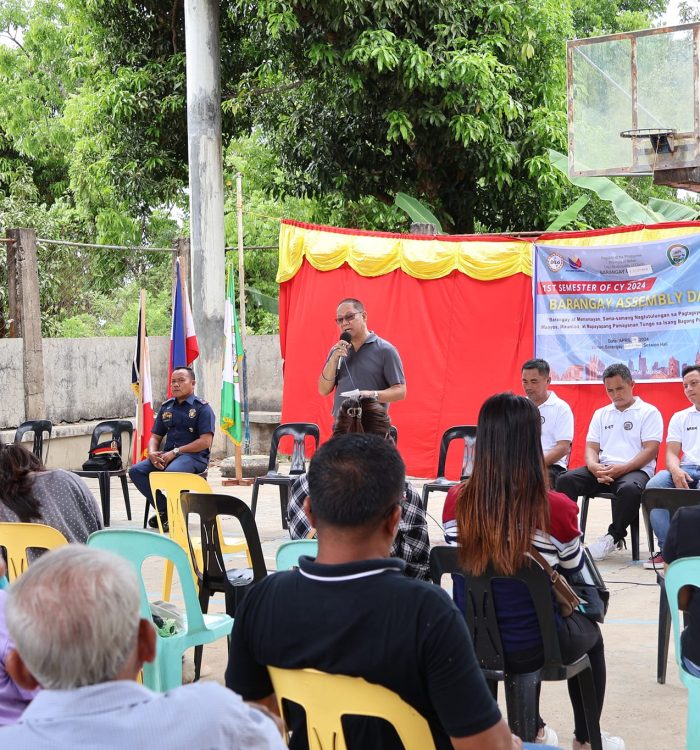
(633, 105)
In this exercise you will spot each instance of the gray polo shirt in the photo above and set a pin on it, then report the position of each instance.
(376, 365)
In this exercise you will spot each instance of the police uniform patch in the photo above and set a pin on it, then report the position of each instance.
(167, 415)
(192, 413)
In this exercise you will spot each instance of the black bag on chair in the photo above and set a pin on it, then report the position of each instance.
(591, 590)
(105, 457)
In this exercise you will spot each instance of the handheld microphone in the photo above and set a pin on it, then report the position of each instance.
(344, 336)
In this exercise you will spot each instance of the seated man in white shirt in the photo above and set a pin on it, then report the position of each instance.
(556, 414)
(621, 447)
(75, 620)
(682, 458)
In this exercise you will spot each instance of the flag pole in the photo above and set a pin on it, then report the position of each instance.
(241, 317)
(142, 346)
(231, 304)
(183, 312)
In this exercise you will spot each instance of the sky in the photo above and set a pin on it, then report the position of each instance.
(671, 17)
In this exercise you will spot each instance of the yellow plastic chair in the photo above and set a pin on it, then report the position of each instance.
(326, 698)
(17, 538)
(172, 484)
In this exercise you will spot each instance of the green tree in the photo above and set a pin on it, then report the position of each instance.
(598, 17)
(454, 102)
(58, 175)
(446, 101)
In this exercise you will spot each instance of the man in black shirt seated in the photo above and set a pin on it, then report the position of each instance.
(683, 540)
(352, 611)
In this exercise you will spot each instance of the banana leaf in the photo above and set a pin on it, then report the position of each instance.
(569, 214)
(673, 211)
(626, 208)
(419, 213)
(270, 304)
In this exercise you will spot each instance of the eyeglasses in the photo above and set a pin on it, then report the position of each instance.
(349, 317)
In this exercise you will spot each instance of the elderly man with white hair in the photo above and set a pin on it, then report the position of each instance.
(75, 620)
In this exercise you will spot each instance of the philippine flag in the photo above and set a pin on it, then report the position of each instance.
(141, 383)
(183, 339)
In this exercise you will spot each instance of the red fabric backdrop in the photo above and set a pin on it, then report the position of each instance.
(460, 341)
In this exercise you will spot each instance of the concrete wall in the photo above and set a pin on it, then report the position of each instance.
(264, 373)
(90, 379)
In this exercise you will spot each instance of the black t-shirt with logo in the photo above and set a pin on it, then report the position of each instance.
(364, 619)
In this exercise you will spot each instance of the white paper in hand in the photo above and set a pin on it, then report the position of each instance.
(351, 394)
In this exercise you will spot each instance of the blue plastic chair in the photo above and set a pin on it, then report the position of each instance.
(685, 572)
(288, 554)
(165, 673)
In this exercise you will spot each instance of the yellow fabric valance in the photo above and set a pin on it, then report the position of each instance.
(622, 235)
(378, 253)
(483, 258)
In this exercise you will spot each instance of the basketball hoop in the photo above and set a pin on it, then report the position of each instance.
(661, 139)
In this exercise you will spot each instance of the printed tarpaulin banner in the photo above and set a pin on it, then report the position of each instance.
(633, 303)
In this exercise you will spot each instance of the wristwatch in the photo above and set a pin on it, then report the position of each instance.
(176, 451)
(376, 395)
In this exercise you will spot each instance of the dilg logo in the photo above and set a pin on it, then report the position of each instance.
(677, 254)
(555, 262)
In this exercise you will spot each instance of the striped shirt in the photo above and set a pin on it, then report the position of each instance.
(411, 544)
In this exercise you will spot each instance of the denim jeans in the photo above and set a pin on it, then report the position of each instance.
(659, 518)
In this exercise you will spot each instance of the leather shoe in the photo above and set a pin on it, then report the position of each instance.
(153, 522)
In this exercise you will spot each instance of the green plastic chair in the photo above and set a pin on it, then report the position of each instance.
(288, 554)
(685, 572)
(165, 673)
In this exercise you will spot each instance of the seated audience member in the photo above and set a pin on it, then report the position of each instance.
(557, 417)
(683, 540)
(352, 611)
(31, 493)
(682, 458)
(75, 619)
(411, 544)
(621, 446)
(180, 440)
(504, 510)
(13, 699)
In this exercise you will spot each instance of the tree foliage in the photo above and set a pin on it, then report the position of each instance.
(446, 101)
(330, 109)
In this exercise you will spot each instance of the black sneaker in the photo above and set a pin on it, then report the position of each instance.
(153, 522)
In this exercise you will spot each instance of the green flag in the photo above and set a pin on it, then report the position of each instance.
(231, 420)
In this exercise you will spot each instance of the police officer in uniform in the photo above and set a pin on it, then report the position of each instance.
(187, 424)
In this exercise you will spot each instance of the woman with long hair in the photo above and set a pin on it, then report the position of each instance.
(503, 510)
(31, 493)
(366, 414)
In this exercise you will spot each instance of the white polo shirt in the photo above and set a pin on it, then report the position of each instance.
(620, 434)
(557, 424)
(684, 428)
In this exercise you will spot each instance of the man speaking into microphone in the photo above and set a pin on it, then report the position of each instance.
(361, 361)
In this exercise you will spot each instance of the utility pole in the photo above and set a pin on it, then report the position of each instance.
(206, 196)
